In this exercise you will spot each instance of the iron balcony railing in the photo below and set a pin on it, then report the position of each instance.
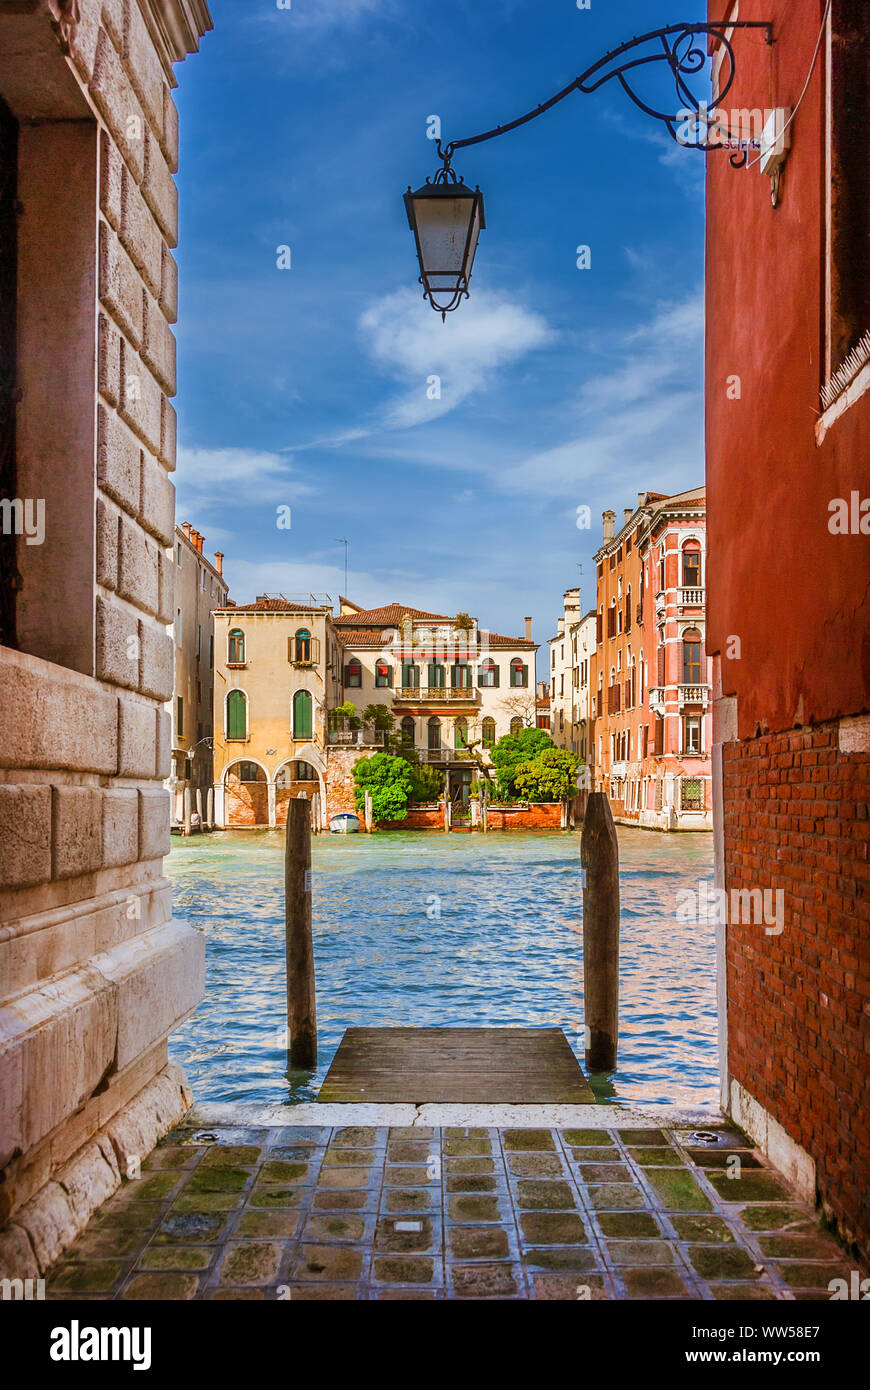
(350, 738)
(437, 694)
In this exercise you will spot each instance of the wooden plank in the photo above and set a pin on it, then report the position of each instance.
(521, 1066)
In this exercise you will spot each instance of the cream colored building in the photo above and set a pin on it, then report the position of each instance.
(200, 588)
(570, 653)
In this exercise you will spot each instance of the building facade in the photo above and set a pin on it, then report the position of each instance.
(200, 588)
(570, 665)
(650, 683)
(788, 444)
(283, 668)
(95, 971)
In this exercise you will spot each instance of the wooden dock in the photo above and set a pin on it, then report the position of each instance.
(509, 1066)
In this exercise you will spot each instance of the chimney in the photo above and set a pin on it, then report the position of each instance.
(528, 629)
(607, 519)
(185, 526)
(628, 515)
(560, 628)
(219, 562)
(641, 498)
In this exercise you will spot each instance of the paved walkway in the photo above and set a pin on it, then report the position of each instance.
(410, 1212)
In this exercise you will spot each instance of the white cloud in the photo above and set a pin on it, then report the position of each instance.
(211, 479)
(407, 339)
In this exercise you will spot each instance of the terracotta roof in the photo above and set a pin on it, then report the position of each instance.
(390, 615)
(273, 605)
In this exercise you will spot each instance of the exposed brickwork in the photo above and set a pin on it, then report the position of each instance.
(247, 804)
(795, 819)
(546, 816)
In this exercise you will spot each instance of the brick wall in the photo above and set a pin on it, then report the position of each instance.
(543, 816)
(246, 804)
(795, 819)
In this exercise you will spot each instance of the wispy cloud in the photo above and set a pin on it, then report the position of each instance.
(446, 362)
(211, 479)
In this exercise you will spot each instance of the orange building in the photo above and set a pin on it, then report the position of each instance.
(650, 697)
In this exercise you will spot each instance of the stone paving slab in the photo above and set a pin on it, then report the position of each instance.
(360, 1211)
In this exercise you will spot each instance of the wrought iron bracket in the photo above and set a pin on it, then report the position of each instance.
(678, 48)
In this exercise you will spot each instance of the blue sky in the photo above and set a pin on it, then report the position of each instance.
(308, 387)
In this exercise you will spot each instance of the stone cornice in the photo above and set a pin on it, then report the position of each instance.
(176, 27)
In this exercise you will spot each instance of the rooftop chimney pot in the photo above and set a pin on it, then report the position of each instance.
(528, 629)
(219, 562)
(607, 520)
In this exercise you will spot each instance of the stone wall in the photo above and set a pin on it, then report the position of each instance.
(542, 816)
(94, 972)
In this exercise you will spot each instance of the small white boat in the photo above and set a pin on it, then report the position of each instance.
(345, 824)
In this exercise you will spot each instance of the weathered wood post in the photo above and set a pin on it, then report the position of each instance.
(446, 813)
(484, 808)
(199, 809)
(187, 812)
(599, 857)
(369, 813)
(209, 808)
(301, 1001)
(315, 813)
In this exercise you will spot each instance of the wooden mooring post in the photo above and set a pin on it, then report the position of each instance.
(368, 813)
(599, 858)
(188, 812)
(209, 802)
(301, 1001)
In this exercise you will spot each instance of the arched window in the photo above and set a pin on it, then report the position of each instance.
(236, 648)
(516, 726)
(409, 729)
(692, 565)
(488, 674)
(433, 730)
(246, 772)
(302, 714)
(237, 714)
(692, 644)
(302, 645)
(519, 673)
(353, 674)
(383, 674)
(460, 733)
(488, 732)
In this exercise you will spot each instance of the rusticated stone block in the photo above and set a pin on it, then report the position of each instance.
(109, 361)
(137, 567)
(160, 191)
(169, 143)
(120, 285)
(54, 719)
(120, 827)
(107, 545)
(140, 234)
(89, 1179)
(169, 286)
(17, 1260)
(118, 645)
(50, 1224)
(118, 465)
(119, 104)
(144, 67)
(141, 399)
(156, 667)
(158, 347)
(157, 509)
(76, 831)
(168, 437)
(137, 739)
(111, 180)
(156, 1109)
(165, 590)
(154, 837)
(164, 743)
(25, 835)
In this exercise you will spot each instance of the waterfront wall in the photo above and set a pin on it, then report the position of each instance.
(94, 971)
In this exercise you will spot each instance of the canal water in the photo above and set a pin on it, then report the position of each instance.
(444, 931)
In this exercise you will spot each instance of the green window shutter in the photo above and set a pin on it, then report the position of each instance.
(525, 676)
(302, 714)
(236, 715)
(390, 681)
(496, 672)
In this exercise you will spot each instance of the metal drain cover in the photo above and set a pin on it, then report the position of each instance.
(704, 1138)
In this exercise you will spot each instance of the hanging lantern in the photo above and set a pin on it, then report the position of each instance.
(446, 218)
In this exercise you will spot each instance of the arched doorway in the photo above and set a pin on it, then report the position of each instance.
(246, 795)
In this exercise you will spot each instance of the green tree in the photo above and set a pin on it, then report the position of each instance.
(390, 782)
(380, 715)
(512, 751)
(551, 776)
(428, 782)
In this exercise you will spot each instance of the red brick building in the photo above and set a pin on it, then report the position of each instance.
(788, 448)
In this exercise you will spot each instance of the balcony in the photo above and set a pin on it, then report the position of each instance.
(355, 738)
(438, 695)
(444, 755)
(657, 699)
(694, 695)
(691, 598)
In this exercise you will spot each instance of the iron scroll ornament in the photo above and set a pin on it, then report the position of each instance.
(676, 45)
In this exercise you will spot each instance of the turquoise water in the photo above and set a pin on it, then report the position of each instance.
(435, 930)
